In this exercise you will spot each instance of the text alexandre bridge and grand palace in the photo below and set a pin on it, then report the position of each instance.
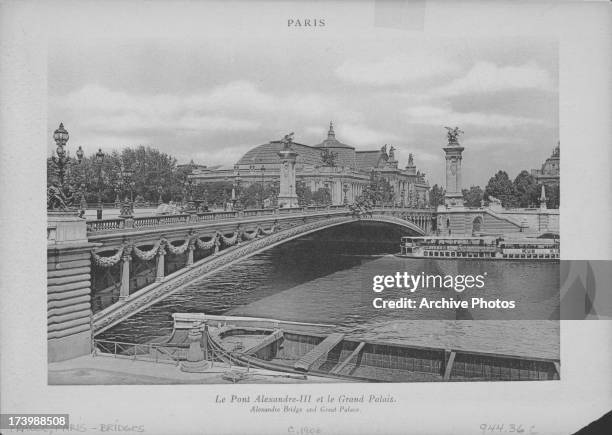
(102, 271)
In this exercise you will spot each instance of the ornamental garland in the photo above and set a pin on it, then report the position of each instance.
(206, 245)
(101, 261)
(150, 254)
(229, 241)
(177, 249)
(250, 235)
(267, 232)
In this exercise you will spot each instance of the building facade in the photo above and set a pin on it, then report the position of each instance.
(332, 165)
(548, 174)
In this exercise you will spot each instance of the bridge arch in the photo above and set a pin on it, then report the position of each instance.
(152, 294)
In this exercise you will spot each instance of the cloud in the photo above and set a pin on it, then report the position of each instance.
(235, 106)
(495, 141)
(362, 135)
(395, 70)
(486, 77)
(444, 115)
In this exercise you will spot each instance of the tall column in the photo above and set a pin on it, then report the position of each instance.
(124, 290)
(161, 252)
(287, 197)
(453, 152)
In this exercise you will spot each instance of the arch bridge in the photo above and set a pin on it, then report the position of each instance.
(126, 265)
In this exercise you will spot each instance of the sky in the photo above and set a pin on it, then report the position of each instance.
(213, 96)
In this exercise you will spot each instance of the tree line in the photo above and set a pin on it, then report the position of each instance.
(522, 192)
(153, 173)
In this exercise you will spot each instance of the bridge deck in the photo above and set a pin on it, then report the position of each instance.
(309, 361)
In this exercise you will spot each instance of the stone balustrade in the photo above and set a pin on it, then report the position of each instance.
(155, 221)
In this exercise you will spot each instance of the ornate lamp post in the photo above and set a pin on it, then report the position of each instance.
(83, 202)
(60, 196)
(263, 170)
(345, 189)
(127, 207)
(61, 137)
(189, 195)
(117, 189)
(236, 191)
(99, 162)
(160, 190)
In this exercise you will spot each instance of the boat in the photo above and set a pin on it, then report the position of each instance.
(320, 350)
(481, 248)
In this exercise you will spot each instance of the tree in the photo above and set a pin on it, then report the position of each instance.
(322, 196)
(436, 195)
(526, 189)
(153, 168)
(303, 193)
(500, 187)
(380, 190)
(472, 196)
(552, 196)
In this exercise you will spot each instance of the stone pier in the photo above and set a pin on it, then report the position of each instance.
(68, 287)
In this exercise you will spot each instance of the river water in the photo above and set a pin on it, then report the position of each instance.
(326, 278)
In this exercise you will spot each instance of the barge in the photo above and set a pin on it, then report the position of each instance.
(481, 248)
(320, 350)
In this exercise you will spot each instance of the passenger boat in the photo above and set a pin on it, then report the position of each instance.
(319, 350)
(483, 248)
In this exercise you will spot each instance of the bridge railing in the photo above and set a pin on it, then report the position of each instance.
(215, 215)
(105, 224)
(258, 212)
(153, 221)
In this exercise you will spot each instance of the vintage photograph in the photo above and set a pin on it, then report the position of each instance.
(322, 207)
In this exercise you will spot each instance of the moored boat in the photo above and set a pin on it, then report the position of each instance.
(315, 349)
(482, 248)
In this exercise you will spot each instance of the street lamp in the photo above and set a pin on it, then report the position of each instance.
(80, 154)
(189, 195)
(81, 178)
(99, 161)
(236, 191)
(61, 194)
(345, 188)
(127, 207)
(160, 190)
(61, 161)
(263, 169)
(117, 189)
(327, 198)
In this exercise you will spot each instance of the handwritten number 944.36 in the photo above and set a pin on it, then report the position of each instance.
(507, 428)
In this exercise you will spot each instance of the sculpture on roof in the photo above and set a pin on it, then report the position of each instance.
(453, 135)
(329, 157)
(287, 140)
(410, 160)
(383, 150)
(392, 153)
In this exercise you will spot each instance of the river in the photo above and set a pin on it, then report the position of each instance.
(326, 278)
